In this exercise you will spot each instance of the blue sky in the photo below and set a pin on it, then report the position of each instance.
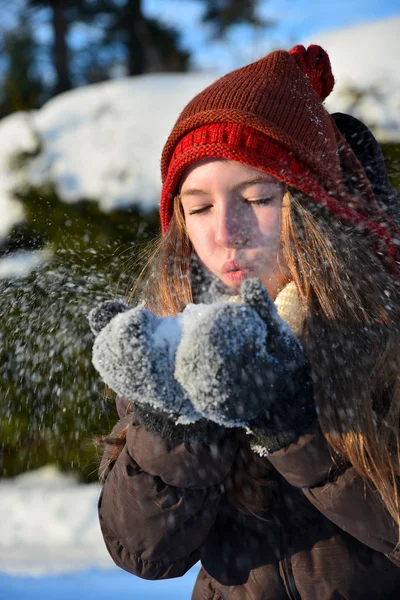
(296, 20)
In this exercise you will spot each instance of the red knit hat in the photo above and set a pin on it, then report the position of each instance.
(270, 115)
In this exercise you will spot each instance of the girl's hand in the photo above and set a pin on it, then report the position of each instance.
(241, 361)
(137, 363)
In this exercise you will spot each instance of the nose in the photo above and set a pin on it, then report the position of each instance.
(231, 228)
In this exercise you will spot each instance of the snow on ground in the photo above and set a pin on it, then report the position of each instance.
(20, 264)
(51, 524)
(16, 136)
(51, 545)
(103, 142)
(94, 584)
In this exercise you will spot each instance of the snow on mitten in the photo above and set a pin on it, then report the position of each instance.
(242, 366)
(100, 316)
(134, 354)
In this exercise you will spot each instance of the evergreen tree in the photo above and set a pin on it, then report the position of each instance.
(224, 14)
(149, 46)
(62, 14)
(21, 87)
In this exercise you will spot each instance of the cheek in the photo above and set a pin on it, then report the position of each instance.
(201, 241)
(270, 229)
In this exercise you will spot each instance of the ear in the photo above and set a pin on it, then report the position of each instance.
(100, 316)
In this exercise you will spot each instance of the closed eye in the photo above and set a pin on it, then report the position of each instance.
(255, 201)
(198, 211)
(258, 201)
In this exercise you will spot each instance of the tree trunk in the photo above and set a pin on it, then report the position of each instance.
(136, 42)
(60, 48)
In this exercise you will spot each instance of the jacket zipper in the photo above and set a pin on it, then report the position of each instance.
(287, 564)
(288, 577)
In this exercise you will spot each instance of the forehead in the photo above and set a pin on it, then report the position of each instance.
(205, 169)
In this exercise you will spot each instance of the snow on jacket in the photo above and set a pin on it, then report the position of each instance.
(324, 535)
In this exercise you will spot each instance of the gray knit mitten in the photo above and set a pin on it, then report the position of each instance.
(134, 353)
(241, 366)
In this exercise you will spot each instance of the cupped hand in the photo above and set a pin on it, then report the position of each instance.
(240, 359)
(136, 362)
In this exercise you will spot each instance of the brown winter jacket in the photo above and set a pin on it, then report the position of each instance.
(325, 536)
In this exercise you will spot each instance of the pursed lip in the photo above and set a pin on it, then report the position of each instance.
(233, 265)
(235, 271)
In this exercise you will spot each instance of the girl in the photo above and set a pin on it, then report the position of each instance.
(259, 433)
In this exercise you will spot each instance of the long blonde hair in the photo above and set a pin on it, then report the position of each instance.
(352, 340)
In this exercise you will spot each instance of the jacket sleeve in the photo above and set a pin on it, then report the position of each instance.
(338, 492)
(159, 499)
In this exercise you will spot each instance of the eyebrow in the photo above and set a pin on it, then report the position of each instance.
(238, 186)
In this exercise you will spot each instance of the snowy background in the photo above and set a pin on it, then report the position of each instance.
(51, 545)
(103, 143)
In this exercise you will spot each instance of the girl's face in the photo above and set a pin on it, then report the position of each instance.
(233, 215)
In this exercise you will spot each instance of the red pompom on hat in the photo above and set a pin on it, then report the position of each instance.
(270, 115)
(315, 63)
